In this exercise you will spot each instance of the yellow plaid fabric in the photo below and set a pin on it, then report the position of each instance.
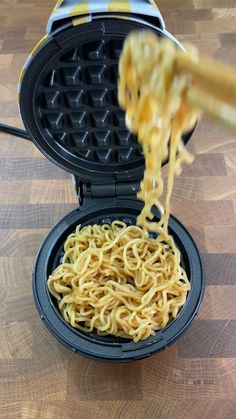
(81, 11)
(75, 8)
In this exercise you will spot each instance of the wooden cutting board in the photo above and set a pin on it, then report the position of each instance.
(196, 377)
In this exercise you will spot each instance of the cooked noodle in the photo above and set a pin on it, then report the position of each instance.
(156, 109)
(115, 278)
(119, 281)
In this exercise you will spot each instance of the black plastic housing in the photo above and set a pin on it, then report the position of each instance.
(68, 105)
(110, 348)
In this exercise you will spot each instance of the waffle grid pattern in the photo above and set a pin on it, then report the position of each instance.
(77, 104)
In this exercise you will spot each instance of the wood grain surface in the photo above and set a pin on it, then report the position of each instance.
(39, 378)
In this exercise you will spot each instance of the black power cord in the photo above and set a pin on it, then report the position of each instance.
(17, 132)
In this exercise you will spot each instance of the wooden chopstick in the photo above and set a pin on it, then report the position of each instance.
(216, 77)
(213, 88)
(221, 112)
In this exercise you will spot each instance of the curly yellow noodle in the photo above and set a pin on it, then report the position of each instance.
(117, 279)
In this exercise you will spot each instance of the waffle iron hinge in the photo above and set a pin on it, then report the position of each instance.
(116, 189)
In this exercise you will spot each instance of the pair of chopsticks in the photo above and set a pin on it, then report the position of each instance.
(213, 88)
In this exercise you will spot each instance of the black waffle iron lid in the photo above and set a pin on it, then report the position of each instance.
(68, 102)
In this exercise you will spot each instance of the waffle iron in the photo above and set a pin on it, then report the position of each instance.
(68, 103)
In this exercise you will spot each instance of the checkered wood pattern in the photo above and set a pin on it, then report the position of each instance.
(39, 378)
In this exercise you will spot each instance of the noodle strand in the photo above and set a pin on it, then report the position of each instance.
(118, 279)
